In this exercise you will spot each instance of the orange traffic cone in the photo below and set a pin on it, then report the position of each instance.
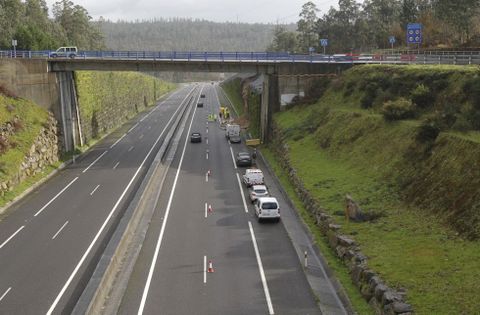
(210, 267)
(210, 210)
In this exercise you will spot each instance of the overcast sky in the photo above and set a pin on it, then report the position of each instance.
(249, 11)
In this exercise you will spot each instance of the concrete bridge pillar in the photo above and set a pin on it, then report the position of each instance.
(270, 104)
(71, 130)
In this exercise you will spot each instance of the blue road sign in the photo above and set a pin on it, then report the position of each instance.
(324, 42)
(391, 39)
(414, 33)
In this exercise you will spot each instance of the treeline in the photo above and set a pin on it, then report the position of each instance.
(29, 23)
(355, 27)
(182, 34)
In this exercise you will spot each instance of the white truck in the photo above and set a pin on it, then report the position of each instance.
(232, 130)
(253, 176)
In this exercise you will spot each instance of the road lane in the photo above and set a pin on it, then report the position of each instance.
(179, 284)
(37, 266)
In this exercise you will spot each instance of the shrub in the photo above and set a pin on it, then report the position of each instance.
(472, 90)
(370, 94)
(431, 128)
(399, 109)
(462, 124)
(421, 96)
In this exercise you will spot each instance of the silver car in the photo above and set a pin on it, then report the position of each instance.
(257, 192)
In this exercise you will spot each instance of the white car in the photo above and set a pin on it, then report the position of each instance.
(257, 192)
(267, 208)
(253, 176)
(70, 52)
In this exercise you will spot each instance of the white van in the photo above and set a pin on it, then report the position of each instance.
(267, 208)
(232, 130)
(70, 52)
(253, 176)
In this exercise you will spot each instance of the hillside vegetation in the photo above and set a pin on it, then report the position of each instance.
(108, 99)
(404, 142)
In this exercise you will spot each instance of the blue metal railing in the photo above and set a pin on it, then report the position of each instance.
(269, 57)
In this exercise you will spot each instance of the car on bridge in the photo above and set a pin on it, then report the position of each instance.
(70, 52)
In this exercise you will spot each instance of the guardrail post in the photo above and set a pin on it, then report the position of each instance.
(470, 59)
(454, 59)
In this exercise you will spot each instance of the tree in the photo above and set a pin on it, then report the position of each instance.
(306, 26)
(283, 40)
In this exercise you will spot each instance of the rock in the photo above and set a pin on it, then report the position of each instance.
(334, 227)
(332, 239)
(353, 209)
(379, 290)
(397, 308)
(390, 296)
(345, 241)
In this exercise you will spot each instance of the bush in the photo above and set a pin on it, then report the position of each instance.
(422, 96)
(399, 109)
(462, 124)
(370, 94)
(472, 90)
(431, 128)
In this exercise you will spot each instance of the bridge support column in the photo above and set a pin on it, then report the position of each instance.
(270, 104)
(71, 129)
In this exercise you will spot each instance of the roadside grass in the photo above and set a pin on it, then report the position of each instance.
(231, 88)
(409, 247)
(336, 265)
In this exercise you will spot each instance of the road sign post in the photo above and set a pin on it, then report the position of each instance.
(324, 44)
(14, 44)
(391, 40)
(414, 34)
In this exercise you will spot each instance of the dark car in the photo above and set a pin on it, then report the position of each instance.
(235, 139)
(199, 104)
(243, 159)
(202, 95)
(196, 137)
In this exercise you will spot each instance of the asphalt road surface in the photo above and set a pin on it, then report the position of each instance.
(49, 241)
(255, 267)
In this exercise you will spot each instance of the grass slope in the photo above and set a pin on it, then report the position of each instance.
(338, 147)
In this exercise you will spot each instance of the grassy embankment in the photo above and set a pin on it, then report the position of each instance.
(232, 88)
(420, 174)
(98, 92)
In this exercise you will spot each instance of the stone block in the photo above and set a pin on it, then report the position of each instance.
(390, 296)
(345, 241)
(332, 239)
(379, 290)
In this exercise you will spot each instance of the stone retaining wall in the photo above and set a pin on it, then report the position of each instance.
(383, 299)
(43, 152)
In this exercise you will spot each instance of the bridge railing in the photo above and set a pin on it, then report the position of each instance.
(396, 58)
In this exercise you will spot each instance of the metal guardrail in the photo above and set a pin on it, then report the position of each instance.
(454, 58)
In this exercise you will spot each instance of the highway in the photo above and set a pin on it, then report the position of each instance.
(256, 269)
(50, 240)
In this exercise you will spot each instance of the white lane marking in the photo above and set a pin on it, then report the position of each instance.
(262, 273)
(96, 160)
(116, 165)
(80, 263)
(233, 158)
(164, 223)
(124, 135)
(243, 195)
(94, 190)
(206, 177)
(206, 209)
(131, 148)
(56, 234)
(5, 294)
(207, 155)
(56, 196)
(12, 236)
(129, 130)
(204, 269)
(144, 117)
(207, 129)
(141, 136)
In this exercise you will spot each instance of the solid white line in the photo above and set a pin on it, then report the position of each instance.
(141, 136)
(77, 267)
(94, 190)
(116, 165)
(5, 294)
(262, 273)
(12, 236)
(206, 209)
(164, 224)
(243, 195)
(233, 158)
(96, 160)
(131, 148)
(144, 117)
(129, 130)
(59, 230)
(56, 196)
(204, 269)
(118, 140)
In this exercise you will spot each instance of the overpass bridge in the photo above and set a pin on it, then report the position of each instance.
(270, 65)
